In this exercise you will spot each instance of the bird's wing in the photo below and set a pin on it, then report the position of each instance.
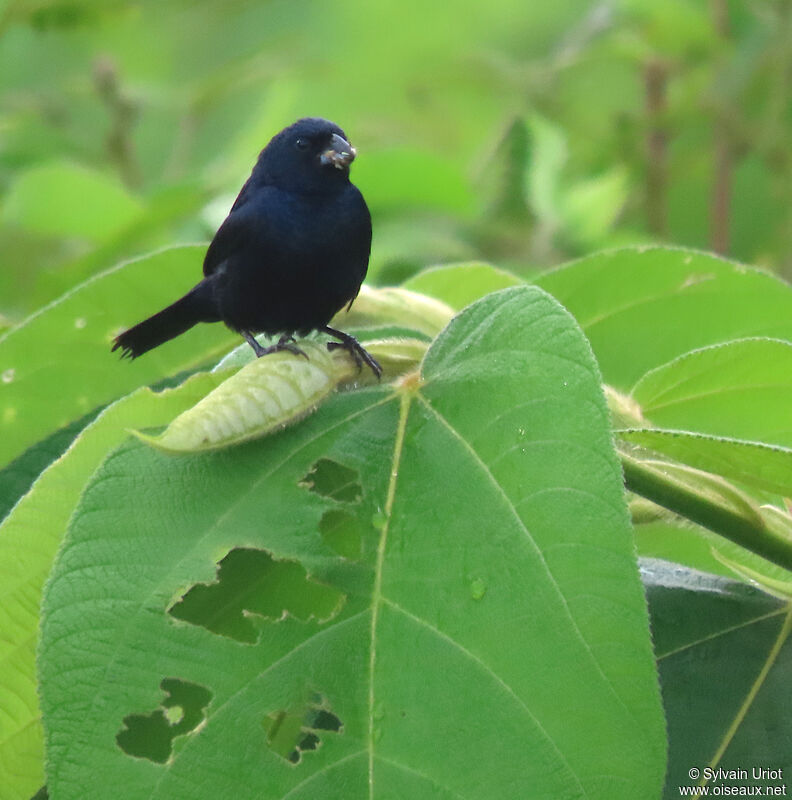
(232, 233)
(228, 239)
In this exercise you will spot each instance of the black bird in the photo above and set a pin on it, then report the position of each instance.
(292, 251)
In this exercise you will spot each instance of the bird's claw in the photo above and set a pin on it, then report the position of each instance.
(292, 348)
(359, 353)
(284, 343)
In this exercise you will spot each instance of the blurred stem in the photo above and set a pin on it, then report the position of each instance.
(656, 84)
(720, 211)
(719, 10)
(123, 115)
(723, 168)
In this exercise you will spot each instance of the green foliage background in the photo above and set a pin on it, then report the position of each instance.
(522, 132)
(518, 134)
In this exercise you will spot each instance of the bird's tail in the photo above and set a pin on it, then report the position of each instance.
(196, 306)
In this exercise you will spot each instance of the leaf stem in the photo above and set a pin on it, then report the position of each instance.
(718, 512)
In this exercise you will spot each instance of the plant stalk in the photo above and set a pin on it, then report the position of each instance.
(754, 530)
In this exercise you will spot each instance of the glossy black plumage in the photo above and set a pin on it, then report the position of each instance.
(292, 252)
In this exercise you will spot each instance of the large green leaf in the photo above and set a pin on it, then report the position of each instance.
(642, 307)
(29, 538)
(739, 389)
(483, 633)
(724, 652)
(57, 365)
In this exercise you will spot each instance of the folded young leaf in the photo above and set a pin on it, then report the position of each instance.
(265, 395)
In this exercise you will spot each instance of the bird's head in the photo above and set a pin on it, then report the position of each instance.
(312, 156)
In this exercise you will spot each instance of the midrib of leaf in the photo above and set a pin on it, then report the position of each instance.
(513, 511)
(783, 635)
(376, 595)
(535, 547)
(720, 392)
(725, 632)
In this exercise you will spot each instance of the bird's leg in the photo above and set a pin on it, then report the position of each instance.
(257, 348)
(284, 343)
(354, 348)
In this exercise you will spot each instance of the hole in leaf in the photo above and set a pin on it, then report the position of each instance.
(181, 712)
(252, 583)
(330, 479)
(343, 532)
(292, 732)
(325, 721)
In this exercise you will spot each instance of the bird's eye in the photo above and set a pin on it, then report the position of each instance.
(301, 144)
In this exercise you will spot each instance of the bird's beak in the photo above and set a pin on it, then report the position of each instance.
(340, 153)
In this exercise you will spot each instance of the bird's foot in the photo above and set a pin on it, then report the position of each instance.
(284, 343)
(355, 349)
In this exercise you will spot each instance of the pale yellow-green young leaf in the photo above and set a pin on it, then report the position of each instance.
(267, 394)
(398, 306)
(270, 393)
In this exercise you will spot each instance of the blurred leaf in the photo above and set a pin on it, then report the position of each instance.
(677, 29)
(404, 244)
(19, 475)
(502, 178)
(64, 199)
(428, 720)
(642, 307)
(164, 208)
(707, 626)
(461, 284)
(592, 206)
(29, 539)
(57, 365)
(548, 156)
(401, 178)
(397, 306)
(719, 389)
